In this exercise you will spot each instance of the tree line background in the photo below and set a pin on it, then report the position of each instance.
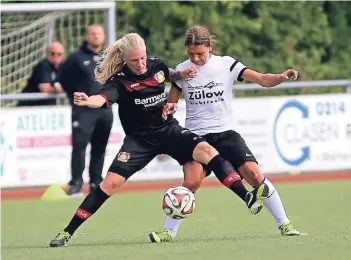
(312, 37)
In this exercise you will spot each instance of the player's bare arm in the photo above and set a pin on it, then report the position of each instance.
(174, 94)
(82, 99)
(269, 80)
(171, 106)
(188, 73)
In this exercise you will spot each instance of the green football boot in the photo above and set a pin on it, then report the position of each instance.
(61, 239)
(160, 237)
(288, 230)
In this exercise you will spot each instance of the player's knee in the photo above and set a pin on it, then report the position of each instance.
(251, 173)
(112, 183)
(193, 175)
(204, 152)
(206, 148)
(192, 184)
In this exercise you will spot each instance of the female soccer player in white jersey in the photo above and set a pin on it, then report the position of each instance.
(208, 99)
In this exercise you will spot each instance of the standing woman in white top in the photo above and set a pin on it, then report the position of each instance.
(209, 113)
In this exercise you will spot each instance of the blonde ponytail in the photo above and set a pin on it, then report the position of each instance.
(111, 60)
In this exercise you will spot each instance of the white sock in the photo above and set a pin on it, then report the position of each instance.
(275, 205)
(172, 225)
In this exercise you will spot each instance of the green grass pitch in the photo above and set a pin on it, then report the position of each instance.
(220, 228)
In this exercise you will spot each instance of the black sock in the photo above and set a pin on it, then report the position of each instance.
(225, 172)
(89, 206)
(234, 183)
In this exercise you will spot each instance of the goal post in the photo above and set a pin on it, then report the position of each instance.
(28, 28)
(107, 6)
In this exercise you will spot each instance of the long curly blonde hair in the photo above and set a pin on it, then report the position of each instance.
(111, 60)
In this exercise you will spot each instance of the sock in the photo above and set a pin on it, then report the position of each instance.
(89, 206)
(234, 183)
(275, 205)
(172, 225)
(225, 172)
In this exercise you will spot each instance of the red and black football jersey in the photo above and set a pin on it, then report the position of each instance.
(140, 98)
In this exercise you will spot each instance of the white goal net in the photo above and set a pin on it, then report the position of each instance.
(27, 29)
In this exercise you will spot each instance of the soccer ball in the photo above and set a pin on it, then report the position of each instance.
(178, 202)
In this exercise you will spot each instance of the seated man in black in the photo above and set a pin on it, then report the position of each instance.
(44, 76)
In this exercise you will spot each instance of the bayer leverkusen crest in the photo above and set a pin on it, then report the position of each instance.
(123, 156)
(160, 77)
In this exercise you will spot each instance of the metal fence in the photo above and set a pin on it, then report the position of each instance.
(346, 84)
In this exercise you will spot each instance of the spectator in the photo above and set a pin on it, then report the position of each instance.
(88, 125)
(44, 76)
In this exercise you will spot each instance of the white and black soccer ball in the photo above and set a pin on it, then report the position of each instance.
(178, 202)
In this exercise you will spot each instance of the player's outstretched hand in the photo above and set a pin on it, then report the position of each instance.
(189, 73)
(290, 74)
(80, 98)
(169, 108)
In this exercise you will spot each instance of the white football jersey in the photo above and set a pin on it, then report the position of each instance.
(209, 95)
